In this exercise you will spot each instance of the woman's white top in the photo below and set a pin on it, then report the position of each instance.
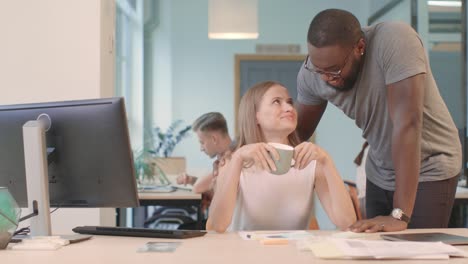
(267, 201)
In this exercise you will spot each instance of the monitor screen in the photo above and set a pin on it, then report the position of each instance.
(89, 155)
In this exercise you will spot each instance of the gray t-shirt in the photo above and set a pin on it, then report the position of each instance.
(394, 52)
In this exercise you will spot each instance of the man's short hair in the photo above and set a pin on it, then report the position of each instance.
(212, 121)
(334, 27)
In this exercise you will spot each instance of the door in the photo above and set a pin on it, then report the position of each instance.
(251, 69)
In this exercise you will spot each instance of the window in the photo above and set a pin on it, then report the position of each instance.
(129, 63)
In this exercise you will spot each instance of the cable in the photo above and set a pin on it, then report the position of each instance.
(56, 208)
(22, 231)
(26, 230)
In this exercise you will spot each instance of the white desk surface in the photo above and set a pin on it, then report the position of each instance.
(212, 248)
(462, 193)
(176, 195)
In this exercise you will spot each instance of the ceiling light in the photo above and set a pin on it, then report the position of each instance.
(232, 19)
(445, 3)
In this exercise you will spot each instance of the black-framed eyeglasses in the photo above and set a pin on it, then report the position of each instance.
(331, 75)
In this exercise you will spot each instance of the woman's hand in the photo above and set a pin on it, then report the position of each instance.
(306, 152)
(258, 154)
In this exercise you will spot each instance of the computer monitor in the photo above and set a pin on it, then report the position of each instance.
(89, 155)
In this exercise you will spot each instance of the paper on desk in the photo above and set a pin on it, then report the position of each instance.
(41, 243)
(159, 247)
(337, 248)
(303, 244)
(349, 235)
(263, 235)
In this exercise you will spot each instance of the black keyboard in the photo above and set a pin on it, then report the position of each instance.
(137, 232)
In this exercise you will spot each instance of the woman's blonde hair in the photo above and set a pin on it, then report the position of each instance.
(248, 130)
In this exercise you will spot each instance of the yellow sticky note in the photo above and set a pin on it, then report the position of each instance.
(274, 241)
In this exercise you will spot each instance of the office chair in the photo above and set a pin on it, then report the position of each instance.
(170, 218)
(313, 224)
(353, 193)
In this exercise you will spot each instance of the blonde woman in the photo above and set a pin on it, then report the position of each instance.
(249, 197)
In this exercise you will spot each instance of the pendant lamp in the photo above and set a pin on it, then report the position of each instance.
(232, 19)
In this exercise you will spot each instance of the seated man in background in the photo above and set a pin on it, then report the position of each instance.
(212, 131)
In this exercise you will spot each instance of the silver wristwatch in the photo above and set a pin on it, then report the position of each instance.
(398, 214)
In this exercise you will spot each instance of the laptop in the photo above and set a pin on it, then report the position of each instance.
(428, 237)
(173, 179)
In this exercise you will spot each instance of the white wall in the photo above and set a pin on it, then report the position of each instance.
(55, 50)
(401, 12)
(202, 72)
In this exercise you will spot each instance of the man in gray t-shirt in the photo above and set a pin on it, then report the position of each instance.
(380, 77)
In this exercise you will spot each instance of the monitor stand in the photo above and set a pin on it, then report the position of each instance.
(37, 180)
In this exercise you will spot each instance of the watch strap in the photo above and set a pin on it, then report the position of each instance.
(405, 218)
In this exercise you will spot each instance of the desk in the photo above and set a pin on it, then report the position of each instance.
(177, 198)
(212, 248)
(148, 197)
(461, 196)
(459, 217)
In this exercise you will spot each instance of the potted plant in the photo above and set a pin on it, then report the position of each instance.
(163, 144)
(144, 171)
(154, 161)
(9, 216)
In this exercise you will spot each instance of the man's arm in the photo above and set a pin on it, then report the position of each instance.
(308, 118)
(405, 105)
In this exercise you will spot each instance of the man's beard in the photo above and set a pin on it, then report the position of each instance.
(349, 82)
